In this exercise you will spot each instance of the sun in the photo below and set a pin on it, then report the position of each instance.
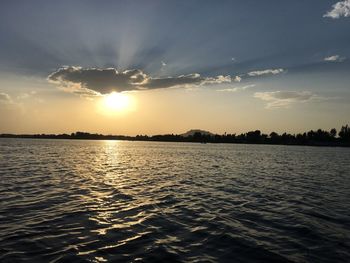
(116, 101)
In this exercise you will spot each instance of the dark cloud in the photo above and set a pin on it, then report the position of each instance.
(158, 83)
(94, 81)
(98, 80)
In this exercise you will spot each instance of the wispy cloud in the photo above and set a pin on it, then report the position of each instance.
(339, 9)
(96, 81)
(5, 98)
(283, 99)
(217, 80)
(334, 58)
(26, 95)
(265, 72)
(235, 89)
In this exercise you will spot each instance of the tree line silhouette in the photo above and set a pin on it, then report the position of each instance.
(317, 138)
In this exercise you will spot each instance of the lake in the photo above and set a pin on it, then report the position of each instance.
(121, 201)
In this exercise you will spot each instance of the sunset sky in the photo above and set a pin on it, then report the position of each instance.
(156, 67)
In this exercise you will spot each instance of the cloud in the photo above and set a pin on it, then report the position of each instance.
(5, 98)
(25, 96)
(238, 88)
(218, 79)
(95, 81)
(237, 79)
(265, 72)
(335, 58)
(283, 99)
(339, 9)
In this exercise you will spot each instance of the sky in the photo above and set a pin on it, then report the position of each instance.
(157, 67)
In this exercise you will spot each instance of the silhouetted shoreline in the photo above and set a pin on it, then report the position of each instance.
(310, 138)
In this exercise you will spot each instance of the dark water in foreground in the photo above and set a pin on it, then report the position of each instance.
(96, 201)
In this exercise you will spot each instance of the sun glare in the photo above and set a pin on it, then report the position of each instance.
(116, 101)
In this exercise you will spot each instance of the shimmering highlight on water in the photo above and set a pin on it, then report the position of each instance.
(97, 201)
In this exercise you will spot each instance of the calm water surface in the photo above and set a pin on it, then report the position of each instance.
(96, 201)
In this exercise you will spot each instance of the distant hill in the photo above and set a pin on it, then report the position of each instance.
(192, 132)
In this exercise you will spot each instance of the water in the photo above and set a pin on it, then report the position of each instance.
(96, 201)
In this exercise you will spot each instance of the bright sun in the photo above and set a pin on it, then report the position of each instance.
(116, 101)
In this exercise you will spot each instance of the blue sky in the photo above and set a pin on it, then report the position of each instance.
(189, 36)
(292, 46)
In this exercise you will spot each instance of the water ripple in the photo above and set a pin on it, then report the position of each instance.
(98, 201)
